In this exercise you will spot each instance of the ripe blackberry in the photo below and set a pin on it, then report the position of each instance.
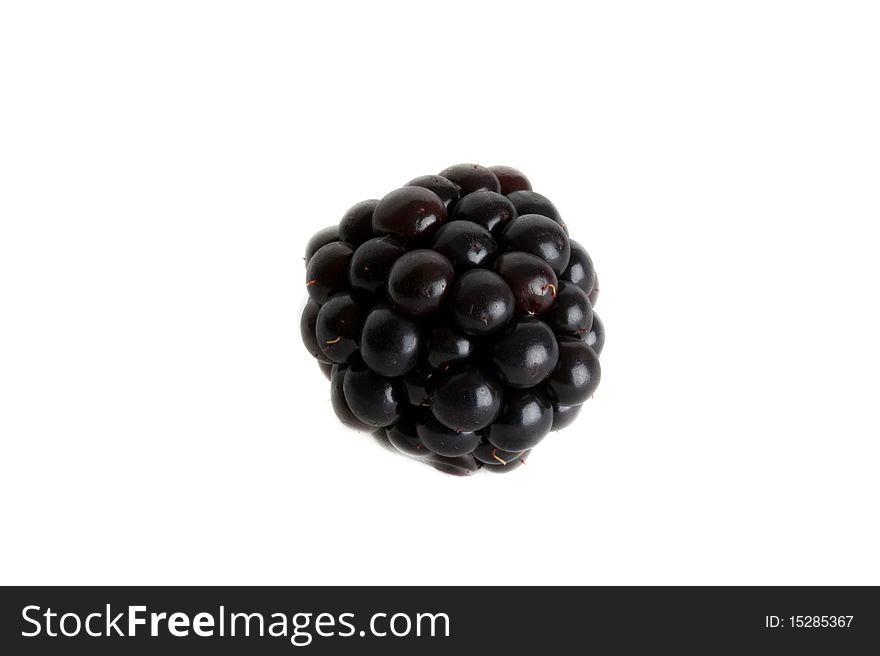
(454, 318)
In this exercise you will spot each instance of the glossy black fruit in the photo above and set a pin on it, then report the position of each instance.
(577, 373)
(444, 441)
(531, 202)
(580, 267)
(466, 245)
(447, 346)
(486, 208)
(564, 415)
(446, 189)
(412, 214)
(338, 327)
(481, 303)
(390, 342)
(538, 235)
(525, 354)
(471, 177)
(595, 339)
(468, 399)
(321, 238)
(356, 225)
(371, 262)
(571, 315)
(327, 271)
(374, 399)
(525, 419)
(454, 319)
(532, 281)
(511, 179)
(419, 281)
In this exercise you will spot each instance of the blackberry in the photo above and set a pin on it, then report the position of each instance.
(454, 318)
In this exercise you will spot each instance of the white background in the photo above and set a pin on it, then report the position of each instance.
(162, 165)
